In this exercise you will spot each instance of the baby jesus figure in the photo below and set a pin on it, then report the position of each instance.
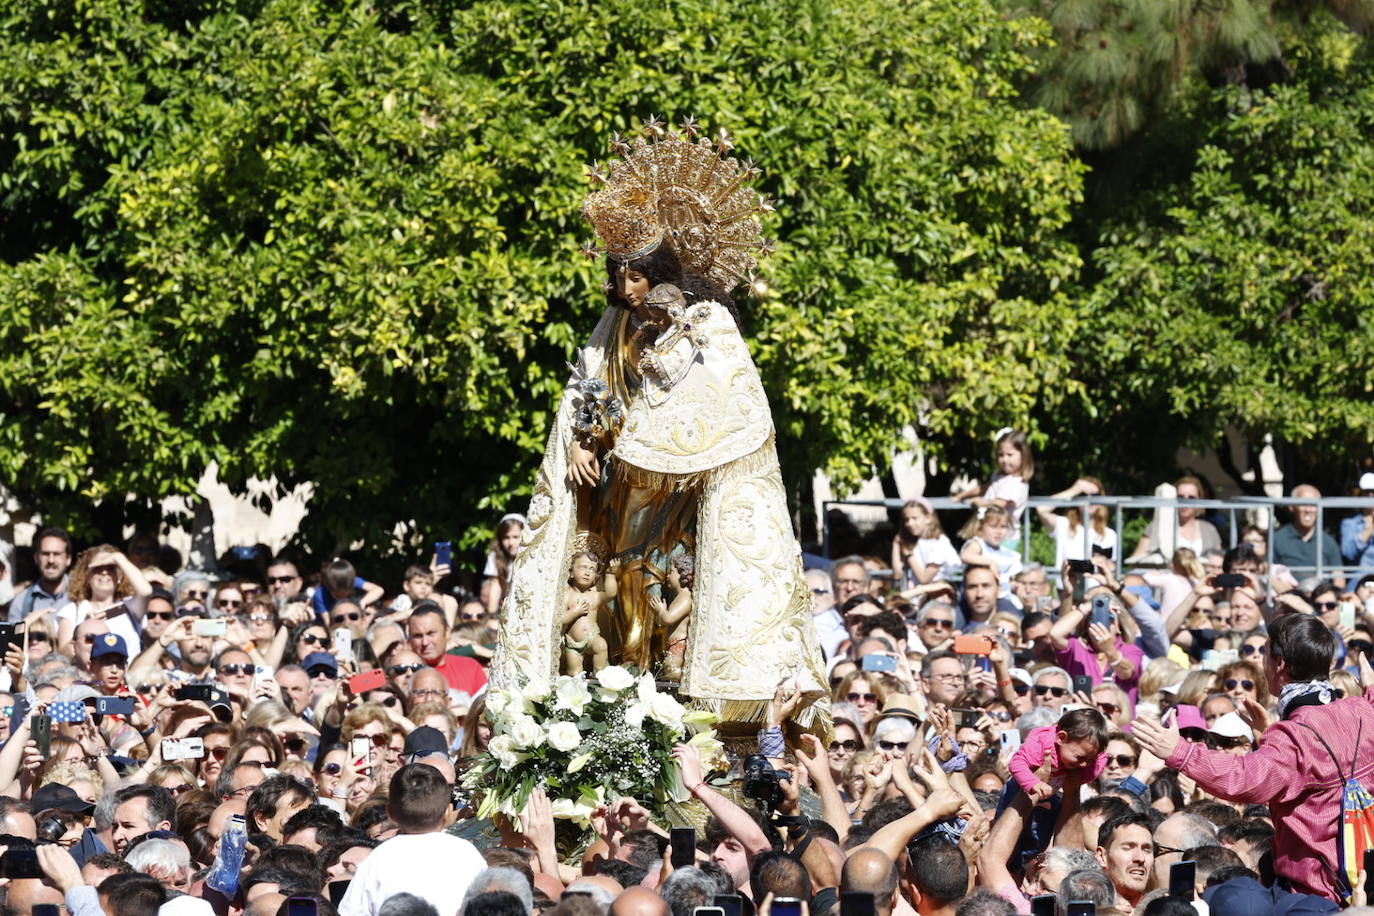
(581, 604)
(674, 615)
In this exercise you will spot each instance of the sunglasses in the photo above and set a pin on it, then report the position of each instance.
(1021, 689)
(377, 740)
(892, 745)
(229, 602)
(1245, 684)
(1327, 605)
(942, 624)
(848, 744)
(161, 615)
(398, 670)
(1122, 760)
(1041, 690)
(863, 697)
(281, 580)
(472, 618)
(820, 591)
(198, 595)
(219, 753)
(340, 618)
(7, 710)
(295, 745)
(37, 636)
(1165, 850)
(321, 671)
(259, 618)
(310, 639)
(1109, 709)
(1001, 716)
(236, 669)
(1251, 650)
(331, 769)
(1218, 743)
(1359, 645)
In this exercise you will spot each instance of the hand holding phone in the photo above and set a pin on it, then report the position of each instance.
(973, 645)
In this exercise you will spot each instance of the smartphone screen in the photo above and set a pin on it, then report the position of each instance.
(1042, 905)
(683, 841)
(856, 903)
(1081, 908)
(302, 906)
(730, 904)
(786, 906)
(1182, 880)
(1082, 683)
(443, 553)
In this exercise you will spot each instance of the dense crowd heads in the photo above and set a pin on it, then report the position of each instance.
(1156, 727)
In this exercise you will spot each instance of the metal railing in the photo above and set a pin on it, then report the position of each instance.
(1120, 504)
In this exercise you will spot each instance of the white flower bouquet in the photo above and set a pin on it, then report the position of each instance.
(587, 742)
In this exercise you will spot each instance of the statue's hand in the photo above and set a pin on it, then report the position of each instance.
(583, 468)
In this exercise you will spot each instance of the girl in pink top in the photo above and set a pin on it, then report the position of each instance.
(1048, 755)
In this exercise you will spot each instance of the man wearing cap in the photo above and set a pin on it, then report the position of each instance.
(1230, 735)
(427, 745)
(56, 795)
(1357, 531)
(427, 633)
(109, 659)
(323, 671)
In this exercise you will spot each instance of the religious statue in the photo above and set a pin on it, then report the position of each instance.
(663, 449)
(583, 603)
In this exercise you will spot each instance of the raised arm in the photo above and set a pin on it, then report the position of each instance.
(736, 821)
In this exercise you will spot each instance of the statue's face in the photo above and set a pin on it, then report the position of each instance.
(674, 578)
(632, 285)
(584, 572)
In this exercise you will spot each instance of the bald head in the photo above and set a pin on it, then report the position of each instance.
(639, 901)
(870, 871)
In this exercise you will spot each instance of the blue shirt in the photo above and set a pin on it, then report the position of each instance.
(1356, 550)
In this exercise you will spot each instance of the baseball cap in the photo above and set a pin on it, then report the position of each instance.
(320, 660)
(109, 644)
(1367, 480)
(424, 741)
(1231, 725)
(56, 795)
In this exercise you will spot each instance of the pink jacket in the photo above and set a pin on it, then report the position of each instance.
(1294, 775)
(1034, 751)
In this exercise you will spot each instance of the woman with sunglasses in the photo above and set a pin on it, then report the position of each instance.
(847, 742)
(1122, 756)
(866, 691)
(1114, 704)
(218, 738)
(1243, 681)
(100, 580)
(306, 638)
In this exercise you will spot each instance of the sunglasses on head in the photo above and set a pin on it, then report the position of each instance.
(398, 670)
(235, 669)
(856, 697)
(280, 580)
(1244, 684)
(1042, 689)
(350, 615)
(848, 744)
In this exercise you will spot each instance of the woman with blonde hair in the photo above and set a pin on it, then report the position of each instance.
(1244, 680)
(1159, 673)
(101, 577)
(866, 691)
(1191, 530)
(1196, 685)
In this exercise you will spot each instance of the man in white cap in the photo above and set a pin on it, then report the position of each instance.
(1230, 734)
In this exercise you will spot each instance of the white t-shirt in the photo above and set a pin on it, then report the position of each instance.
(1008, 564)
(122, 625)
(436, 867)
(941, 551)
(1068, 545)
(1011, 488)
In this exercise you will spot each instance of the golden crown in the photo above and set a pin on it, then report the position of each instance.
(676, 185)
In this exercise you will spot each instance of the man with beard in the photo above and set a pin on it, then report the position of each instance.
(52, 554)
(193, 663)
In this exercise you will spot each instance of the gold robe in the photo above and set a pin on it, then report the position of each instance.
(697, 429)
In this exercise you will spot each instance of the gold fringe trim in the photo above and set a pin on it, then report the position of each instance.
(757, 460)
(813, 716)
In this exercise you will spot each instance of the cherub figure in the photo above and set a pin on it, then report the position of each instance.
(673, 615)
(581, 604)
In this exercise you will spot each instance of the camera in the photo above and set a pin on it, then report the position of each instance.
(762, 782)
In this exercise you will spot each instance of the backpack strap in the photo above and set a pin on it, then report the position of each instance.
(1339, 772)
(1341, 879)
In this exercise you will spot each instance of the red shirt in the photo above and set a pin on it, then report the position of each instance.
(1293, 774)
(463, 674)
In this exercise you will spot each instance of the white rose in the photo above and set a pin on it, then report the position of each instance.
(526, 732)
(667, 710)
(497, 701)
(535, 692)
(646, 689)
(614, 677)
(572, 694)
(502, 747)
(634, 716)
(564, 736)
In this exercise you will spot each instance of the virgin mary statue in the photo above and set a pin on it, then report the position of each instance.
(658, 532)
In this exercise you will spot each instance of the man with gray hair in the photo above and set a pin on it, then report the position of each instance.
(850, 577)
(1176, 833)
(501, 878)
(1051, 687)
(1085, 884)
(934, 626)
(168, 861)
(830, 629)
(1031, 585)
(688, 888)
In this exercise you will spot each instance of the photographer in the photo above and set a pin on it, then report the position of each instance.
(743, 837)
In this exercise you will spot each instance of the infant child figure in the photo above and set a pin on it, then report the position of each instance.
(674, 615)
(1075, 747)
(581, 604)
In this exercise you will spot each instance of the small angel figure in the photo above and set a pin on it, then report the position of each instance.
(674, 615)
(581, 604)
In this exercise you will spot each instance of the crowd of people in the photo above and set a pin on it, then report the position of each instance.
(1005, 736)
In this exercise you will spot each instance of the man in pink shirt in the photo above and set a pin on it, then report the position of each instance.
(1292, 770)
